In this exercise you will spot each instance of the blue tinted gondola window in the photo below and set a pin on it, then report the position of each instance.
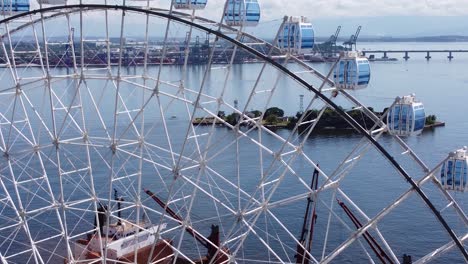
(396, 117)
(307, 37)
(364, 73)
(419, 118)
(15, 5)
(285, 43)
(449, 173)
(237, 16)
(342, 71)
(351, 77)
(389, 117)
(297, 36)
(405, 111)
(442, 174)
(464, 178)
(252, 11)
(232, 12)
(199, 2)
(410, 118)
(457, 173)
(292, 35)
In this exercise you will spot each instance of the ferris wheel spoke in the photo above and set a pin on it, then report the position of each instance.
(404, 196)
(221, 195)
(38, 116)
(167, 134)
(233, 185)
(196, 105)
(88, 162)
(34, 159)
(197, 186)
(12, 64)
(266, 245)
(153, 157)
(315, 121)
(11, 126)
(21, 135)
(343, 223)
(284, 228)
(37, 46)
(12, 241)
(358, 152)
(126, 111)
(215, 186)
(274, 187)
(187, 134)
(370, 223)
(430, 175)
(8, 65)
(440, 251)
(69, 109)
(197, 101)
(22, 215)
(374, 227)
(54, 121)
(149, 160)
(113, 144)
(218, 101)
(95, 106)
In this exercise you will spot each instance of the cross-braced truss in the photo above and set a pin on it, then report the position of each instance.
(82, 116)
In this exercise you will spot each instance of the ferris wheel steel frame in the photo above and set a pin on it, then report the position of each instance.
(176, 16)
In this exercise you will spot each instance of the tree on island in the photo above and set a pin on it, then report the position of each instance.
(256, 113)
(271, 120)
(233, 119)
(274, 111)
(431, 119)
(221, 114)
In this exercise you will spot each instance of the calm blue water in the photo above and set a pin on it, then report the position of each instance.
(372, 184)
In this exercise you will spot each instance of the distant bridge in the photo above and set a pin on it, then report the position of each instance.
(407, 52)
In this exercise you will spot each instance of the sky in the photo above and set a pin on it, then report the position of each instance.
(398, 18)
(378, 17)
(358, 8)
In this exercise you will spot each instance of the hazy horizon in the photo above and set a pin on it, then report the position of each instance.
(378, 18)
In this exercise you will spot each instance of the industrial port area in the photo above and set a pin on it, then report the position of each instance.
(134, 52)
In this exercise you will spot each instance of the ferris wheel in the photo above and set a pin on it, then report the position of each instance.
(136, 134)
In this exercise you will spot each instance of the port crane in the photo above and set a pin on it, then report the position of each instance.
(353, 39)
(330, 44)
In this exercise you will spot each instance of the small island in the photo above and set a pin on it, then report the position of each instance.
(330, 121)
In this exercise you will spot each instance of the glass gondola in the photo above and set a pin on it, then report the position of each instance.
(296, 35)
(10, 7)
(352, 71)
(453, 174)
(189, 4)
(242, 13)
(406, 117)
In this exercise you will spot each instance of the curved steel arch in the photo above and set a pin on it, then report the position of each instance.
(341, 112)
